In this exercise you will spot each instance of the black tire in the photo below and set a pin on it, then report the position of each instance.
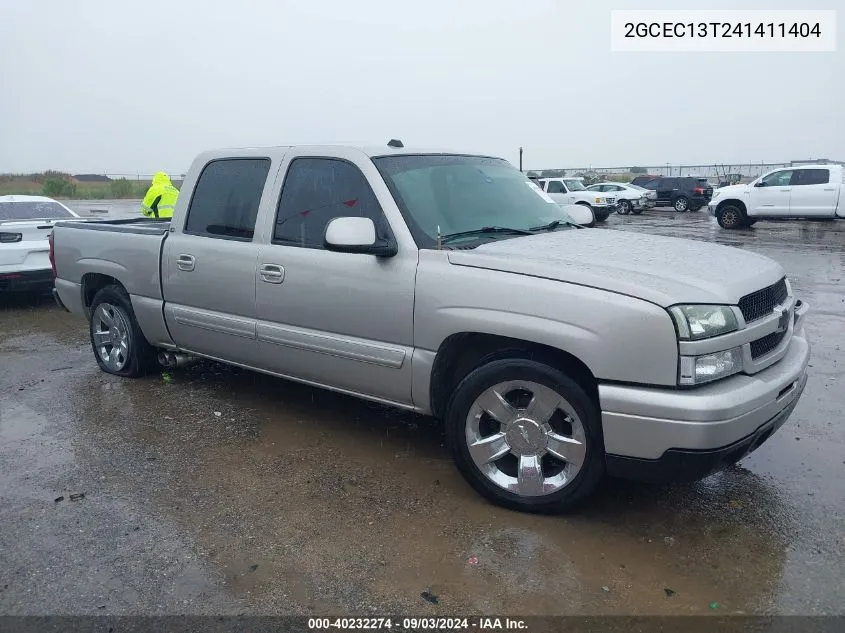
(600, 215)
(500, 371)
(730, 216)
(140, 356)
(681, 204)
(624, 207)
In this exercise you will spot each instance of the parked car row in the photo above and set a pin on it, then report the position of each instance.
(566, 191)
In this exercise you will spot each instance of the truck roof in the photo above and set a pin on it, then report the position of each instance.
(373, 151)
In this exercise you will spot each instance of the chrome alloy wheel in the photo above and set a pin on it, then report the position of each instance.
(526, 438)
(110, 331)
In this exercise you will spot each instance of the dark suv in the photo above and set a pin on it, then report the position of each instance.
(682, 193)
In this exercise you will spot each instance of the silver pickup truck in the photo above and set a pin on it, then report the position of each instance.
(452, 286)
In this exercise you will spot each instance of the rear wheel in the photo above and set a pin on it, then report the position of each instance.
(526, 436)
(118, 343)
(624, 207)
(681, 204)
(730, 217)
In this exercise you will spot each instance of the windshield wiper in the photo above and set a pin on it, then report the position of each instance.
(486, 230)
(551, 226)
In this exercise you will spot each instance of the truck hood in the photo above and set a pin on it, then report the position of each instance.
(662, 270)
(730, 190)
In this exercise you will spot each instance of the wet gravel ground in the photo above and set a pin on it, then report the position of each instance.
(222, 491)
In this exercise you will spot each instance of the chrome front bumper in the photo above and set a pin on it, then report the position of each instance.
(646, 422)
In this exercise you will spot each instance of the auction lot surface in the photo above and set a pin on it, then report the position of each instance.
(223, 491)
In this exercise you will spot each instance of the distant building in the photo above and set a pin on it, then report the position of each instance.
(91, 178)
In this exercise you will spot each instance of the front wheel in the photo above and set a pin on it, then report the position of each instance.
(730, 217)
(116, 338)
(624, 207)
(526, 436)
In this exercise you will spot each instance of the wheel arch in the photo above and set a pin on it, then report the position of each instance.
(461, 353)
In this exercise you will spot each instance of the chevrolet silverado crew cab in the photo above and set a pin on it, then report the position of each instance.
(803, 191)
(450, 285)
(573, 191)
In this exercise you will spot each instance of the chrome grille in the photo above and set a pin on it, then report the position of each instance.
(761, 303)
(763, 346)
(610, 200)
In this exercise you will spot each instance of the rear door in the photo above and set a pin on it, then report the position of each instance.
(208, 264)
(666, 188)
(813, 195)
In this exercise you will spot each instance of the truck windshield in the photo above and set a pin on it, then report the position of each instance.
(575, 185)
(455, 194)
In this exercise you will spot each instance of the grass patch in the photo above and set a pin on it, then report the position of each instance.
(64, 186)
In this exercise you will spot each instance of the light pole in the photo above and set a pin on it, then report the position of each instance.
(520, 159)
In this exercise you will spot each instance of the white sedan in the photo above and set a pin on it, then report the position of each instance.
(630, 198)
(25, 226)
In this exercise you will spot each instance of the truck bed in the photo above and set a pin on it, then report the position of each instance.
(127, 250)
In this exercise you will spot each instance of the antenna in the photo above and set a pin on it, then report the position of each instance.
(395, 142)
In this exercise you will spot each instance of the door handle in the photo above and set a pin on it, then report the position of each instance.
(786, 189)
(186, 262)
(271, 273)
(830, 189)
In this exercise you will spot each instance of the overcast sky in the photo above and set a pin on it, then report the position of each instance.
(127, 87)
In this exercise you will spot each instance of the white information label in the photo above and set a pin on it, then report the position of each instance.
(724, 31)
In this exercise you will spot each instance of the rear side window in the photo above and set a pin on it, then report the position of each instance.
(317, 190)
(555, 186)
(33, 210)
(810, 177)
(668, 183)
(226, 198)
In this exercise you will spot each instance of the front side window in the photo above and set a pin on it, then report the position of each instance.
(452, 194)
(317, 190)
(226, 198)
(777, 179)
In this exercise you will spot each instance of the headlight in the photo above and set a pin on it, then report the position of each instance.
(695, 370)
(697, 322)
(599, 200)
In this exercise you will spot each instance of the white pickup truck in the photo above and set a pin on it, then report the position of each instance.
(572, 191)
(450, 285)
(804, 191)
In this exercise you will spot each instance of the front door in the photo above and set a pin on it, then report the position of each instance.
(771, 195)
(813, 195)
(208, 270)
(343, 320)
